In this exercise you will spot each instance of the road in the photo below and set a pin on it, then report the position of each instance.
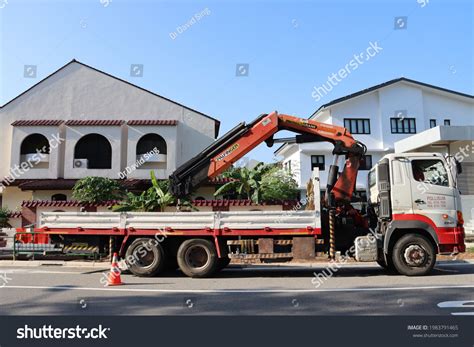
(251, 290)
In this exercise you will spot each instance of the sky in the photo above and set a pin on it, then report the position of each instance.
(234, 60)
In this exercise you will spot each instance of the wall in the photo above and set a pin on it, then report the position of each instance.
(13, 197)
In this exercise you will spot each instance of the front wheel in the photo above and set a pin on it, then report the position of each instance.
(197, 258)
(413, 255)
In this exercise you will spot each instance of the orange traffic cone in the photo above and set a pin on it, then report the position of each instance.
(113, 278)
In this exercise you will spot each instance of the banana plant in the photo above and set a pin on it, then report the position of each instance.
(245, 182)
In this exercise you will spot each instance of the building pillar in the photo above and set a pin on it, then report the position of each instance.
(28, 216)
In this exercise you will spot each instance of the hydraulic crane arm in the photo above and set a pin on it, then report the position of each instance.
(219, 156)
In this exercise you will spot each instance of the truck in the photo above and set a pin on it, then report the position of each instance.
(413, 212)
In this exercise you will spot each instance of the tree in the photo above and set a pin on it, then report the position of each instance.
(155, 198)
(4, 213)
(97, 190)
(278, 185)
(245, 182)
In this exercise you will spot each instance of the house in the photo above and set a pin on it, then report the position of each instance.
(399, 115)
(80, 121)
(378, 117)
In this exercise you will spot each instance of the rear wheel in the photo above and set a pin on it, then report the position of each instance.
(197, 258)
(413, 255)
(145, 257)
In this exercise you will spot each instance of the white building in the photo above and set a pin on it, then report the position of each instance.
(86, 122)
(379, 117)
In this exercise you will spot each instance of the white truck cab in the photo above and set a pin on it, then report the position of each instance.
(418, 209)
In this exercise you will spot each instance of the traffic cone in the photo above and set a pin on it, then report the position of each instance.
(113, 278)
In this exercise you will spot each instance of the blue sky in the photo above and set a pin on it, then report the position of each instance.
(290, 46)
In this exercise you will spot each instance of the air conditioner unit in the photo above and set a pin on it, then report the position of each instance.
(80, 163)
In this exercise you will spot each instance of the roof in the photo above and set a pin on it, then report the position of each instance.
(385, 84)
(16, 214)
(239, 202)
(71, 203)
(217, 122)
(440, 135)
(153, 122)
(67, 184)
(90, 122)
(37, 122)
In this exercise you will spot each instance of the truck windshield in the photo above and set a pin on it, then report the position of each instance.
(431, 171)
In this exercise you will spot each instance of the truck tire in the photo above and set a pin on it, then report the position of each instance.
(145, 257)
(413, 255)
(197, 258)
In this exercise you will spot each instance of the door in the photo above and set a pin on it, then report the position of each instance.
(433, 191)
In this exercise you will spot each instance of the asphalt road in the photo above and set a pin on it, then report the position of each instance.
(252, 290)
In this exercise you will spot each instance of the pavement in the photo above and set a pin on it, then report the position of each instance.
(353, 289)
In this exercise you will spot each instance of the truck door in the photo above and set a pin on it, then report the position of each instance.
(432, 191)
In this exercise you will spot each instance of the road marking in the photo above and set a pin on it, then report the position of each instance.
(458, 304)
(236, 291)
(27, 272)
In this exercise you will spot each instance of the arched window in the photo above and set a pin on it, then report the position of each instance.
(149, 142)
(34, 150)
(59, 197)
(96, 149)
(34, 143)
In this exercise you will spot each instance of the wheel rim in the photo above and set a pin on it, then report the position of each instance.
(415, 255)
(197, 257)
(146, 260)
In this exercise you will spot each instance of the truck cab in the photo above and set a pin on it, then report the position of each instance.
(417, 205)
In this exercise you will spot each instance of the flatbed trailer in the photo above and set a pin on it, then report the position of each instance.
(414, 212)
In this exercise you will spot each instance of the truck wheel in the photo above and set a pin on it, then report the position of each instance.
(197, 258)
(145, 257)
(413, 255)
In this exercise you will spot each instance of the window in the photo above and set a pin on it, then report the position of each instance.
(372, 180)
(59, 197)
(403, 125)
(357, 125)
(96, 149)
(317, 161)
(366, 162)
(34, 150)
(447, 122)
(287, 166)
(432, 123)
(149, 142)
(431, 171)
